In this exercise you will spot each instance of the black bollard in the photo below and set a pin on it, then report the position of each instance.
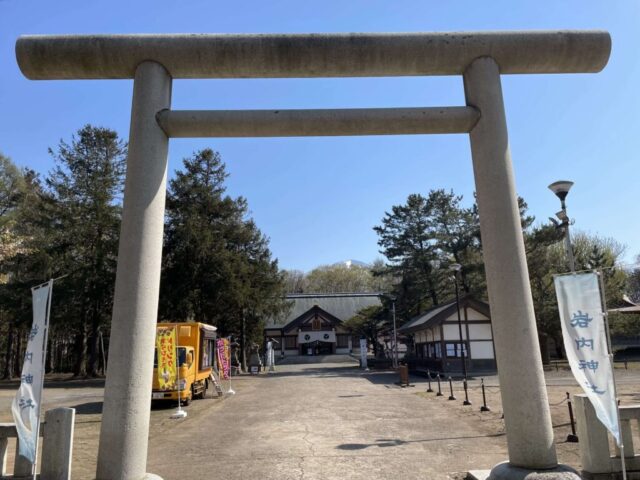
(484, 407)
(572, 437)
(429, 390)
(452, 396)
(466, 393)
(439, 394)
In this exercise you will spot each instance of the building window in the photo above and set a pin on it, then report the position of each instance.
(454, 350)
(207, 352)
(342, 341)
(291, 342)
(437, 350)
(316, 324)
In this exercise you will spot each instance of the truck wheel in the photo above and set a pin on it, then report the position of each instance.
(200, 388)
(187, 400)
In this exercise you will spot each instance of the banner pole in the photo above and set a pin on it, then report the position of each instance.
(605, 317)
(179, 413)
(44, 370)
(231, 391)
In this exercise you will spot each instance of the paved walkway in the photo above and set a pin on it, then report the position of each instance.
(311, 359)
(325, 421)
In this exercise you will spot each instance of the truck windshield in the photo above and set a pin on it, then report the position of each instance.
(182, 357)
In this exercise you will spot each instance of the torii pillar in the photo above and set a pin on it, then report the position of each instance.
(480, 57)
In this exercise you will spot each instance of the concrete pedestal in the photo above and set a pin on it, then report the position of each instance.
(122, 453)
(504, 471)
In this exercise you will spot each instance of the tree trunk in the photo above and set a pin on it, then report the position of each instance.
(80, 369)
(559, 347)
(543, 338)
(8, 356)
(17, 367)
(94, 348)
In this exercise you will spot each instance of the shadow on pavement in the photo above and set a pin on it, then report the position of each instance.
(395, 442)
(90, 408)
(65, 383)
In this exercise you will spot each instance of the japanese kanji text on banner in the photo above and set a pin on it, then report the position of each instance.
(585, 341)
(166, 348)
(224, 358)
(26, 404)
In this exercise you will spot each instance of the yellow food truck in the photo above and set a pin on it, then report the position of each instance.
(187, 356)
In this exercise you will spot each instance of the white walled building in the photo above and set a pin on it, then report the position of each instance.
(436, 337)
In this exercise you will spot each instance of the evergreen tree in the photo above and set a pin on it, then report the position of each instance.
(86, 186)
(370, 323)
(406, 241)
(217, 265)
(421, 239)
(23, 263)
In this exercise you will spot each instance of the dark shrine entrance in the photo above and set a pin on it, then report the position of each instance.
(317, 348)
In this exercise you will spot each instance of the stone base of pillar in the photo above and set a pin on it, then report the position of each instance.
(506, 471)
(151, 476)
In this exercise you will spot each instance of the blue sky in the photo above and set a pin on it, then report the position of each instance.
(318, 198)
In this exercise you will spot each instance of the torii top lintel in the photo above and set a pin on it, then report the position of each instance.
(48, 57)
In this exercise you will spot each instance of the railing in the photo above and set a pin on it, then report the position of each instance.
(599, 461)
(57, 445)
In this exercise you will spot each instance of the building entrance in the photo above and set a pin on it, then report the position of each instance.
(317, 348)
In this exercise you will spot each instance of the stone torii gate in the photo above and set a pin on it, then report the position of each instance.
(153, 61)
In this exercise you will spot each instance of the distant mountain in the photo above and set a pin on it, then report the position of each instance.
(350, 263)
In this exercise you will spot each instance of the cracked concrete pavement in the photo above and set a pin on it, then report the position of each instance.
(318, 421)
(328, 421)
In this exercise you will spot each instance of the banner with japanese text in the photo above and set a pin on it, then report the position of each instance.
(26, 404)
(585, 341)
(224, 357)
(166, 348)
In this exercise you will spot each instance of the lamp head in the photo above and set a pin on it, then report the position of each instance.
(562, 216)
(455, 267)
(561, 188)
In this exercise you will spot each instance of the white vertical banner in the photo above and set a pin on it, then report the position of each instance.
(363, 353)
(586, 343)
(26, 404)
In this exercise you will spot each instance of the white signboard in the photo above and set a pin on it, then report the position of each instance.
(363, 353)
(271, 359)
(585, 341)
(26, 404)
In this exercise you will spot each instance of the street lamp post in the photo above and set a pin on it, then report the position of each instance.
(561, 189)
(455, 268)
(395, 334)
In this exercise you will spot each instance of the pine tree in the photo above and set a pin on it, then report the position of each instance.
(423, 238)
(86, 186)
(22, 261)
(217, 266)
